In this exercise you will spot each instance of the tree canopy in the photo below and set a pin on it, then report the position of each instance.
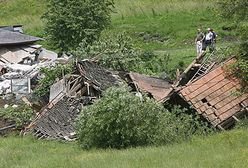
(68, 22)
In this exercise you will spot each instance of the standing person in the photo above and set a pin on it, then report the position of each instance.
(199, 41)
(213, 39)
(208, 41)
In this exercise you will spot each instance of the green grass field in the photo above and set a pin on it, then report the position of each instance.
(227, 149)
(175, 20)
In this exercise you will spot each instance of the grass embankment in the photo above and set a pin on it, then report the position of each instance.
(25, 12)
(175, 21)
(227, 149)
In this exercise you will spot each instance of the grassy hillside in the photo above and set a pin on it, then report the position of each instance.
(174, 21)
(228, 149)
(25, 12)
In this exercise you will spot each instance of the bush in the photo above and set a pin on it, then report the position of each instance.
(21, 115)
(240, 70)
(116, 53)
(50, 76)
(237, 10)
(120, 119)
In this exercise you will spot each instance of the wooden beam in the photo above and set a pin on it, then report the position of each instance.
(235, 118)
(221, 128)
(8, 127)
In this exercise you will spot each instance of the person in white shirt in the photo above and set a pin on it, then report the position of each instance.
(199, 41)
(208, 40)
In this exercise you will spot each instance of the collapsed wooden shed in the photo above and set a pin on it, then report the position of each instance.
(214, 96)
(67, 98)
(157, 88)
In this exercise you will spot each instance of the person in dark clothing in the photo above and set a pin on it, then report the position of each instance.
(208, 41)
(213, 45)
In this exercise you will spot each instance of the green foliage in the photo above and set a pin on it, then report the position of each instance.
(240, 70)
(120, 119)
(21, 115)
(242, 124)
(119, 53)
(116, 53)
(243, 49)
(68, 22)
(50, 77)
(236, 9)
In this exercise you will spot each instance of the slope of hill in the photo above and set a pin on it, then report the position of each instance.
(176, 21)
(227, 149)
(157, 25)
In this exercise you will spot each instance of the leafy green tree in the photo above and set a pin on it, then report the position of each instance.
(50, 75)
(68, 22)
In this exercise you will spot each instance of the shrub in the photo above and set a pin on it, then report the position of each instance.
(116, 53)
(21, 115)
(237, 10)
(50, 76)
(121, 119)
(240, 70)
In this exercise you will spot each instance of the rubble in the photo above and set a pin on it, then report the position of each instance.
(203, 85)
(158, 88)
(20, 62)
(213, 96)
(20, 59)
(56, 120)
(67, 98)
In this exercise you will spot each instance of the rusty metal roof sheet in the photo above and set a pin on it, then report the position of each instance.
(214, 96)
(157, 87)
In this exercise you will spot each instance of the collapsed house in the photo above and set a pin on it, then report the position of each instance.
(75, 91)
(156, 88)
(56, 119)
(211, 94)
(204, 85)
(214, 96)
(20, 60)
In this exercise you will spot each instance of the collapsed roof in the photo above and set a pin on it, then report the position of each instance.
(158, 88)
(56, 120)
(10, 37)
(100, 78)
(69, 96)
(213, 96)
